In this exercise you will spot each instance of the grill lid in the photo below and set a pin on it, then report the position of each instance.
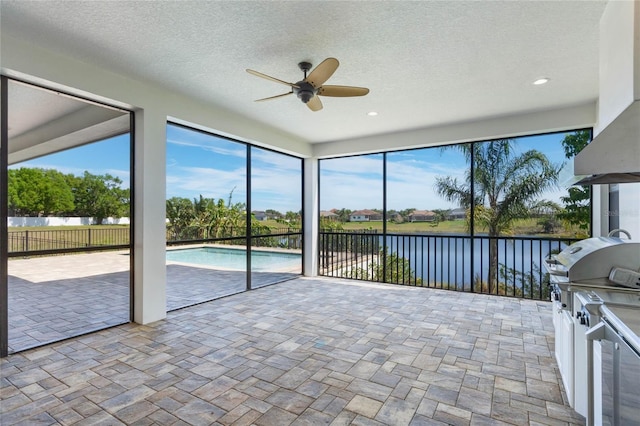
(593, 258)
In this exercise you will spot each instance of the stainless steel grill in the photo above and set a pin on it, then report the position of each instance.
(586, 299)
(590, 261)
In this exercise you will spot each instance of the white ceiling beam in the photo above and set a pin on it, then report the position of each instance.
(563, 119)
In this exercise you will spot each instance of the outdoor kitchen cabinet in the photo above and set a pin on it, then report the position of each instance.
(582, 287)
(563, 325)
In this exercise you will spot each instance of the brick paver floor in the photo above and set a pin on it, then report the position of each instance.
(57, 297)
(309, 351)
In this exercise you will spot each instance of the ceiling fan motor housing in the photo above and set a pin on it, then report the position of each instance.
(305, 91)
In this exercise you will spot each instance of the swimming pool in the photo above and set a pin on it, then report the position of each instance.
(228, 258)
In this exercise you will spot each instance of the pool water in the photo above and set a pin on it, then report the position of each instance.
(235, 258)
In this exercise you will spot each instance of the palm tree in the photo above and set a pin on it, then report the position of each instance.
(505, 184)
(202, 214)
(180, 213)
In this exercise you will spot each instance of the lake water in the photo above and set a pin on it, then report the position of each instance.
(446, 261)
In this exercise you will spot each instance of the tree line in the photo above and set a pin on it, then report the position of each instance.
(206, 218)
(38, 192)
(203, 218)
(398, 216)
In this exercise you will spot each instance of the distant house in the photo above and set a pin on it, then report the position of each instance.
(331, 216)
(364, 216)
(422, 216)
(259, 215)
(396, 217)
(459, 213)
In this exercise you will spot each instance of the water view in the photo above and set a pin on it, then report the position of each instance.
(448, 260)
(442, 261)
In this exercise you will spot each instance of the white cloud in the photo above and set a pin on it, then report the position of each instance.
(276, 178)
(271, 188)
(207, 144)
(191, 182)
(264, 158)
(356, 182)
(369, 164)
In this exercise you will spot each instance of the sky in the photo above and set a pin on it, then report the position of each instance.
(214, 167)
(411, 176)
(198, 163)
(110, 156)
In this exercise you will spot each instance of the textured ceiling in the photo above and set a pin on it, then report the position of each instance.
(426, 63)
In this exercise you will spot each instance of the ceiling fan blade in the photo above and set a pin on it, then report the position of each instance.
(274, 97)
(268, 77)
(342, 91)
(322, 72)
(315, 104)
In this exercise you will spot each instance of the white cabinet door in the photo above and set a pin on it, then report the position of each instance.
(580, 394)
(557, 326)
(597, 381)
(566, 354)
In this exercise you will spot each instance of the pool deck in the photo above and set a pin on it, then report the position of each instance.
(53, 298)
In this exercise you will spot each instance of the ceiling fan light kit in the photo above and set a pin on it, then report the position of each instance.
(311, 87)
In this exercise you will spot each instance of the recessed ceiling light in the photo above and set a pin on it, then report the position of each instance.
(372, 113)
(540, 81)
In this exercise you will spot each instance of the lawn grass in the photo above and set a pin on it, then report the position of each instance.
(30, 238)
(448, 227)
(521, 227)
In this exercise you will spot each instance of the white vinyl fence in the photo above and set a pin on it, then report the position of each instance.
(62, 221)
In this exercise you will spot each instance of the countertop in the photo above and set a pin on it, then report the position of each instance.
(626, 320)
(611, 295)
(620, 307)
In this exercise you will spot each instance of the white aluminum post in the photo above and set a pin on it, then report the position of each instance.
(311, 217)
(149, 208)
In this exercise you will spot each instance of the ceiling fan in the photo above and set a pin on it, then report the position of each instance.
(309, 88)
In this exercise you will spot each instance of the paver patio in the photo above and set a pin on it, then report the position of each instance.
(306, 351)
(56, 297)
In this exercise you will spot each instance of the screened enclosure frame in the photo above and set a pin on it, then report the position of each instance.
(4, 250)
(248, 237)
(472, 235)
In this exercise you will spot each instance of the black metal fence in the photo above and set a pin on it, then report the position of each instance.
(348, 253)
(287, 238)
(60, 239)
(291, 240)
(40, 241)
(509, 266)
